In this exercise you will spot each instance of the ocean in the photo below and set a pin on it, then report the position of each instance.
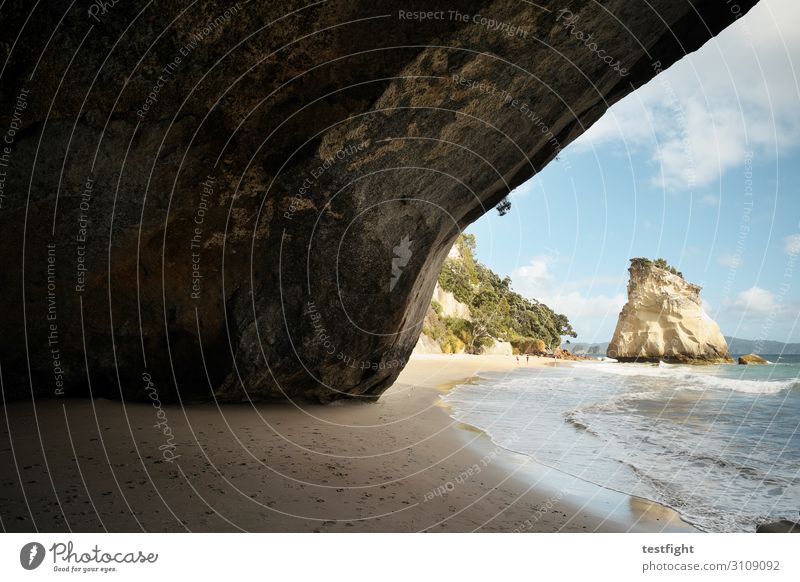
(719, 444)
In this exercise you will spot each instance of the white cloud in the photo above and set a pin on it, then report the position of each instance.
(756, 301)
(596, 280)
(791, 244)
(536, 281)
(577, 306)
(730, 260)
(710, 200)
(735, 95)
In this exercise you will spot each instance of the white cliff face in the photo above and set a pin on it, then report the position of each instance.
(498, 348)
(426, 345)
(665, 320)
(451, 307)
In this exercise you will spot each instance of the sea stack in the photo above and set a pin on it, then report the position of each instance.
(664, 320)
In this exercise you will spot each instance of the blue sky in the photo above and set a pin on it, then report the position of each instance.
(666, 173)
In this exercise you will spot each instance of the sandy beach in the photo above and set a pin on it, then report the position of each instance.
(401, 464)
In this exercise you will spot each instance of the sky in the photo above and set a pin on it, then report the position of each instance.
(701, 166)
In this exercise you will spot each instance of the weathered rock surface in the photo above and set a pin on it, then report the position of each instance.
(427, 345)
(254, 200)
(782, 526)
(498, 348)
(752, 359)
(664, 320)
(451, 307)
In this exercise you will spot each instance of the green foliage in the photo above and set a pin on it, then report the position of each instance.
(503, 207)
(455, 278)
(496, 310)
(458, 335)
(460, 276)
(660, 263)
(453, 334)
(437, 307)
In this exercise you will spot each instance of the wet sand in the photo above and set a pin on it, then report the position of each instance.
(401, 464)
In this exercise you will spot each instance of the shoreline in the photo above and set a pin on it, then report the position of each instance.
(611, 510)
(401, 464)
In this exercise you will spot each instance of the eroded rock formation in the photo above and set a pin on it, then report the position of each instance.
(664, 320)
(451, 307)
(498, 348)
(749, 359)
(254, 200)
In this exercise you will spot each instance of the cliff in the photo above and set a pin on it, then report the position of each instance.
(451, 307)
(443, 305)
(253, 200)
(475, 310)
(664, 320)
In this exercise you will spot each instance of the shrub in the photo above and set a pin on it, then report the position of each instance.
(660, 263)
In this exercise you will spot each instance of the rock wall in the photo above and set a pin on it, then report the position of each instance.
(451, 307)
(498, 348)
(253, 201)
(664, 320)
(427, 345)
